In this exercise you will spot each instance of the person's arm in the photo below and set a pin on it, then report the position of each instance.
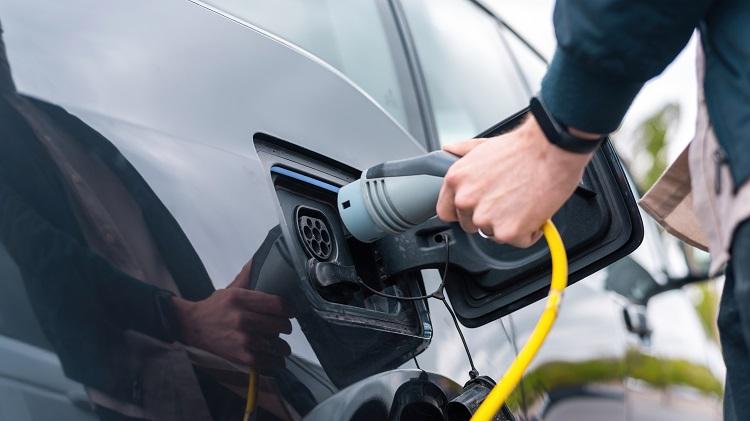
(509, 185)
(66, 277)
(67, 280)
(607, 50)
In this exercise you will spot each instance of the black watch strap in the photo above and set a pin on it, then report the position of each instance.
(557, 134)
(169, 326)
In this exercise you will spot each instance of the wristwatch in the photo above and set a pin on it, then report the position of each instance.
(169, 326)
(558, 134)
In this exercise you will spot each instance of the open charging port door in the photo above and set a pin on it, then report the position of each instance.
(599, 224)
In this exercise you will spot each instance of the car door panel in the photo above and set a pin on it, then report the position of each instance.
(183, 107)
(33, 386)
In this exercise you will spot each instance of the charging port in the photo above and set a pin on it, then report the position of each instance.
(336, 263)
(315, 233)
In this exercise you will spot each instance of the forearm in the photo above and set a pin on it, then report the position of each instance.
(66, 279)
(607, 50)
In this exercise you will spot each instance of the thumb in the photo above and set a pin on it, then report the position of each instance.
(463, 147)
(243, 278)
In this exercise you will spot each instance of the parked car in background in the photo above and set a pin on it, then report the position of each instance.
(225, 106)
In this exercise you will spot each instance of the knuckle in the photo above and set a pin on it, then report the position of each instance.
(481, 219)
(513, 235)
(237, 321)
(453, 177)
(500, 237)
(232, 295)
(465, 202)
(504, 234)
(276, 304)
(469, 228)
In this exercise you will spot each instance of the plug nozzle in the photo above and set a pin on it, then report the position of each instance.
(372, 208)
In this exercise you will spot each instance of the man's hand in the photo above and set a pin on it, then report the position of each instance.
(238, 324)
(509, 185)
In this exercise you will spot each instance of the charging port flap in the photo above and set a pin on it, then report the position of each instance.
(599, 224)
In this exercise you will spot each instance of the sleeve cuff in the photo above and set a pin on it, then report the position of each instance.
(588, 100)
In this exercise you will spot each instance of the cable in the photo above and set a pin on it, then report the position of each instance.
(252, 386)
(252, 395)
(493, 403)
(474, 372)
(511, 337)
(438, 295)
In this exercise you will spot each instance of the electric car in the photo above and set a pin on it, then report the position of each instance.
(244, 116)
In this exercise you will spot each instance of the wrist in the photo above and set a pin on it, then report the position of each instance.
(559, 134)
(532, 131)
(584, 135)
(183, 311)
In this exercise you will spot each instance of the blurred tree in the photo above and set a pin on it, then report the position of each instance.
(650, 162)
(706, 302)
(653, 136)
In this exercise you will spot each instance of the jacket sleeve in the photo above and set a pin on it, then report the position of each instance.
(607, 50)
(66, 279)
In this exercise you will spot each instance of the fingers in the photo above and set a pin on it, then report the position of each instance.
(455, 205)
(463, 147)
(261, 302)
(465, 219)
(536, 236)
(523, 241)
(266, 363)
(260, 360)
(263, 353)
(260, 346)
(515, 238)
(445, 208)
(264, 324)
(270, 346)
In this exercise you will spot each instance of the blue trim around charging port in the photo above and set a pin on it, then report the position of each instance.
(305, 179)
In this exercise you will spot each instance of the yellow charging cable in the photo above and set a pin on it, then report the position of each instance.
(499, 394)
(252, 394)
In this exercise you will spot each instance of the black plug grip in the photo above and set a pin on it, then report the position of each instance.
(272, 270)
(434, 163)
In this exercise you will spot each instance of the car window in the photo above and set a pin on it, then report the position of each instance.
(17, 320)
(357, 37)
(471, 78)
(532, 66)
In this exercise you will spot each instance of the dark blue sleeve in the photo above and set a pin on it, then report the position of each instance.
(607, 50)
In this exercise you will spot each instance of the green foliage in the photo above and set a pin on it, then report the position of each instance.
(660, 373)
(707, 307)
(663, 372)
(653, 135)
(558, 374)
